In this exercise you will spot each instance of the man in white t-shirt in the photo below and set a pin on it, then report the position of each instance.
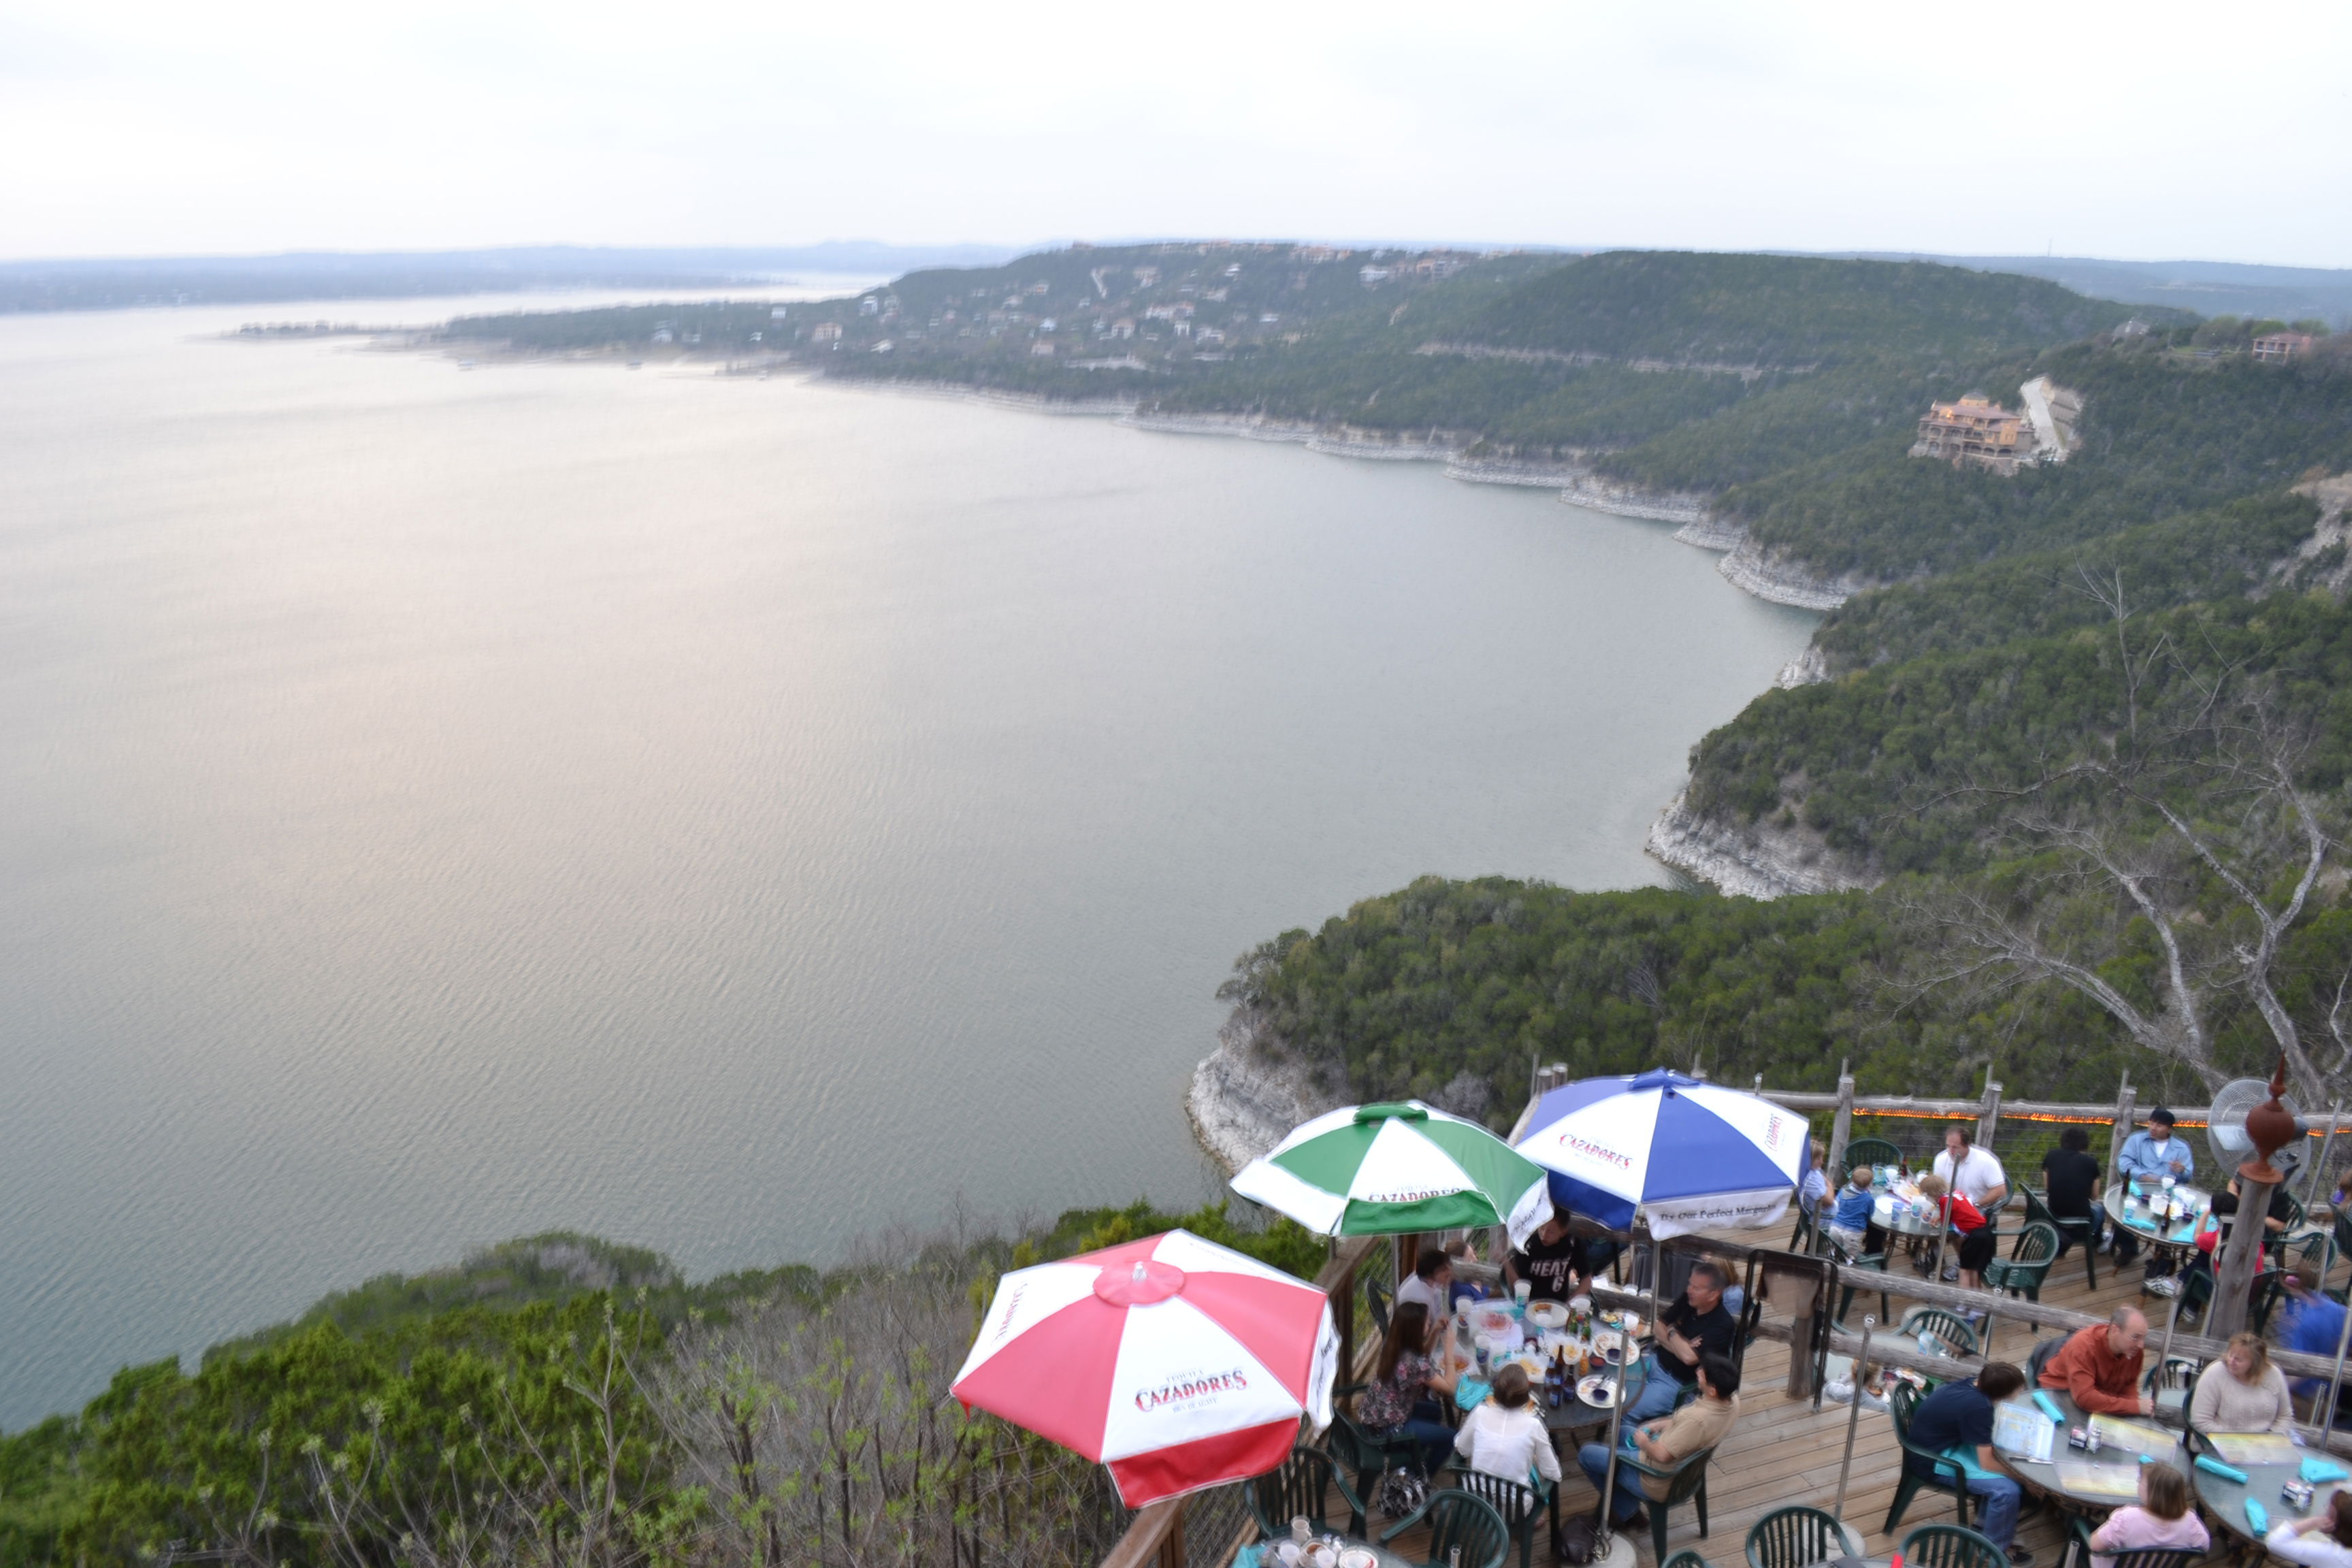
(1430, 1282)
(1971, 1172)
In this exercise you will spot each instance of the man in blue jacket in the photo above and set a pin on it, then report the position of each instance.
(2152, 1152)
(1956, 1421)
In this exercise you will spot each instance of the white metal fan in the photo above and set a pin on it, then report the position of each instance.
(2225, 1131)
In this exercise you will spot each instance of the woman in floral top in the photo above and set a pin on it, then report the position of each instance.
(1397, 1402)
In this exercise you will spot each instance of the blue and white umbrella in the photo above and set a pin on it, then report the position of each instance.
(1690, 1155)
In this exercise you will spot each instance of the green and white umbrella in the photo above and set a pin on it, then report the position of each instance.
(1379, 1170)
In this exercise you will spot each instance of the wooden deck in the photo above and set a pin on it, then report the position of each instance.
(1782, 1451)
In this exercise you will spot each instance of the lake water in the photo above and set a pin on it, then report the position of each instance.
(722, 814)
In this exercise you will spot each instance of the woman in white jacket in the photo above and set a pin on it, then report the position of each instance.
(1506, 1435)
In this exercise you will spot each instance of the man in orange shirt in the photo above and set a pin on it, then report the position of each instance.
(2099, 1367)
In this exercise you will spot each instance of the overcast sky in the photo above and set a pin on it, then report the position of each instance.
(2142, 130)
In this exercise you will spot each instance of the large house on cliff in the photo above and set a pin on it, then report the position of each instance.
(1976, 431)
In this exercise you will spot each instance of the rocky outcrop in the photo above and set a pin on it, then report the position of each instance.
(1246, 1095)
(1514, 471)
(1759, 861)
(1810, 667)
(1248, 426)
(1707, 533)
(1633, 501)
(1769, 574)
(2323, 560)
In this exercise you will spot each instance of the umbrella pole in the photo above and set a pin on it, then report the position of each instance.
(1853, 1417)
(2172, 1321)
(1616, 1424)
(2319, 1172)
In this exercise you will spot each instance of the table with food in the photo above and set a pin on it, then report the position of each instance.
(1304, 1549)
(1569, 1350)
(2088, 1462)
(2158, 1209)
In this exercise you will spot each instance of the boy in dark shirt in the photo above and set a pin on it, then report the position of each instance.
(1551, 1263)
(1956, 1420)
(1695, 1325)
(2073, 1179)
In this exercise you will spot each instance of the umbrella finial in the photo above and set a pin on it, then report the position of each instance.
(1141, 1273)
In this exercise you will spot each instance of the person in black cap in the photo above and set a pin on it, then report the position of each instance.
(2150, 1153)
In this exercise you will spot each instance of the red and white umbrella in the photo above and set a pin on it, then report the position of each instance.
(1178, 1363)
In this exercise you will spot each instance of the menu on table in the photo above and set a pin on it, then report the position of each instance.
(2255, 1447)
(2021, 1431)
(2119, 1481)
(2139, 1436)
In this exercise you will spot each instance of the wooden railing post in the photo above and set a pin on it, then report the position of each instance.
(1989, 1118)
(2125, 1111)
(1841, 1130)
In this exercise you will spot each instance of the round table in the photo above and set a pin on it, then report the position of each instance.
(1270, 1552)
(2225, 1501)
(1917, 1222)
(2127, 1205)
(1576, 1414)
(2047, 1479)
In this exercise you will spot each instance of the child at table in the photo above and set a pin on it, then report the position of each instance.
(2162, 1519)
(1977, 1240)
(2323, 1540)
(1850, 1220)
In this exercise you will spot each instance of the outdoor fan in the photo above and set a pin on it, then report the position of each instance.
(2225, 1130)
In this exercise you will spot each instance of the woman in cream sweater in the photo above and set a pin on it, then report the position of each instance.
(2242, 1392)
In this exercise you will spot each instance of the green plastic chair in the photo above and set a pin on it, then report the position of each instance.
(1871, 1152)
(1949, 1327)
(2178, 1375)
(1686, 1558)
(1458, 1522)
(1806, 1237)
(1951, 1546)
(1946, 1476)
(1797, 1536)
(2070, 1232)
(1302, 1484)
(2078, 1549)
(1686, 1483)
(1377, 1298)
(1519, 1505)
(1370, 1458)
(1875, 1262)
(2027, 1266)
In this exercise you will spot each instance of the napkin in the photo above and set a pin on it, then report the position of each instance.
(1470, 1391)
(2049, 1407)
(2213, 1467)
(1247, 1557)
(2318, 1470)
(2259, 1517)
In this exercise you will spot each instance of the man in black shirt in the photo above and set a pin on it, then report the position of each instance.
(1695, 1324)
(1551, 1263)
(2073, 1180)
(1959, 1415)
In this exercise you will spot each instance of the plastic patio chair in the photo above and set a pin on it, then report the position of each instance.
(2076, 1553)
(1797, 1536)
(1519, 1505)
(1954, 1331)
(2178, 1375)
(2028, 1264)
(1302, 1484)
(1946, 1475)
(1869, 1262)
(1377, 1297)
(1806, 1237)
(2039, 1357)
(2070, 1232)
(1951, 1546)
(1458, 1523)
(1370, 1458)
(1686, 1558)
(1686, 1483)
(1871, 1152)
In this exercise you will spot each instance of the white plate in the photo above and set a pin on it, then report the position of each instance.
(1598, 1390)
(1548, 1314)
(1358, 1557)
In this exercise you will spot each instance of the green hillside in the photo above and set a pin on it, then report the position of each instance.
(1782, 311)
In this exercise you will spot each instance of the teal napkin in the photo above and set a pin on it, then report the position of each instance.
(1246, 1557)
(2213, 1467)
(2259, 1517)
(2318, 1470)
(2049, 1407)
(1469, 1391)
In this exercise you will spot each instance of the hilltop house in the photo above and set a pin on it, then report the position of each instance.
(1976, 431)
(2277, 348)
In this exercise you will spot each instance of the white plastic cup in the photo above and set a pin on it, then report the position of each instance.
(1523, 1289)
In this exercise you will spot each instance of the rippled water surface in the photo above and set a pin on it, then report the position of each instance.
(719, 814)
